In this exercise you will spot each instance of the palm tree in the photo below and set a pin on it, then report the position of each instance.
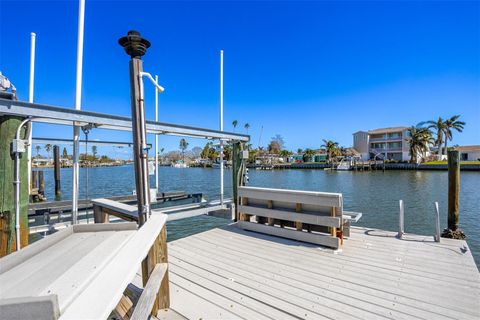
(299, 151)
(331, 147)
(452, 123)
(48, 147)
(38, 150)
(94, 151)
(419, 140)
(65, 153)
(439, 126)
(309, 153)
(246, 126)
(183, 147)
(234, 124)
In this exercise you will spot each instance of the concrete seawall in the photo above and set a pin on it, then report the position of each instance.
(388, 166)
(444, 167)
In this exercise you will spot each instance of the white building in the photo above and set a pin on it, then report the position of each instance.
(387, 143)
(469, 153)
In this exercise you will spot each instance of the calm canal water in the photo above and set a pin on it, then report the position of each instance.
(375, 194)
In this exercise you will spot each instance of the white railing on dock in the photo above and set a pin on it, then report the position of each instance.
(401, 220)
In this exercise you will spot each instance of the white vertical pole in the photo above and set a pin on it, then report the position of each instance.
(221, 127)
(437, 223)
(156, 135)
(30, 99)
(78, 100)
(401, 229)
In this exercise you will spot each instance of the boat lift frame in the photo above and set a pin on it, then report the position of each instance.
(66, 116)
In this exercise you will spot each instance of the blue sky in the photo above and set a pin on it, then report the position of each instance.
(305, 70)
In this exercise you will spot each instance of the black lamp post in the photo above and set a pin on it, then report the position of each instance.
(136, 46)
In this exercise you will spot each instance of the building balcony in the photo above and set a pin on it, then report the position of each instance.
(385, 139)
(383, 150)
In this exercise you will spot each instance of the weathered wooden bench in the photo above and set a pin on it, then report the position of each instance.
(82, 272)
(103, 208)
(315, 217)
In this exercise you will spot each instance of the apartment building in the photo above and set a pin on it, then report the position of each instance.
(384, 143)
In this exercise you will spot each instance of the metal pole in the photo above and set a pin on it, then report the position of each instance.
(136, 46)
(437, 223)
(156, 136)
(401, 229)
(30, 99)
(221, 128)
(78, 99)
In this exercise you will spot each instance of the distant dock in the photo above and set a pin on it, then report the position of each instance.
(372, 165)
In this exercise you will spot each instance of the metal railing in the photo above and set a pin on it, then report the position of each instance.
(401, 221)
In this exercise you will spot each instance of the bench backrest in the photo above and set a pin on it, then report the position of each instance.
(103, 207)
(304, 210)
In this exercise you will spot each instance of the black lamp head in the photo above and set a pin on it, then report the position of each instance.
(135, 46)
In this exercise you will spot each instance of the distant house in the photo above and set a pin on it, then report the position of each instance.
(268, 159)
(296, 158)
(41, 162)
(385, 143)
(469, 153)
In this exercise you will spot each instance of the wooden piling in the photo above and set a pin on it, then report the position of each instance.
(8, 128)
(56, 169)
(41, 183)
(453, 188)
(236, 166)
(33, 182)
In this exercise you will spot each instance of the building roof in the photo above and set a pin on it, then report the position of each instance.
(350, 152)
(359, 131)
(387, 130)
(468, 148)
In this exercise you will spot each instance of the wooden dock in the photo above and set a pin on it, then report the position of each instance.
(230, 273)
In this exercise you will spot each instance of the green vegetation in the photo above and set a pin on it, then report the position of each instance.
(183, 146)
(209, 152)
(48, 148)
(452, 124)
(246, 126)
(439, 127)
(419, 139)
(332, 149)
(424, 137)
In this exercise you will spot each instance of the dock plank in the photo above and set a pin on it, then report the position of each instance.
(375, 276)
(386, 280)
(338, 283)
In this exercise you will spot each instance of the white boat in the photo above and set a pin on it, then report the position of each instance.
(344, 165)
(216, 165)
(179, 164)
